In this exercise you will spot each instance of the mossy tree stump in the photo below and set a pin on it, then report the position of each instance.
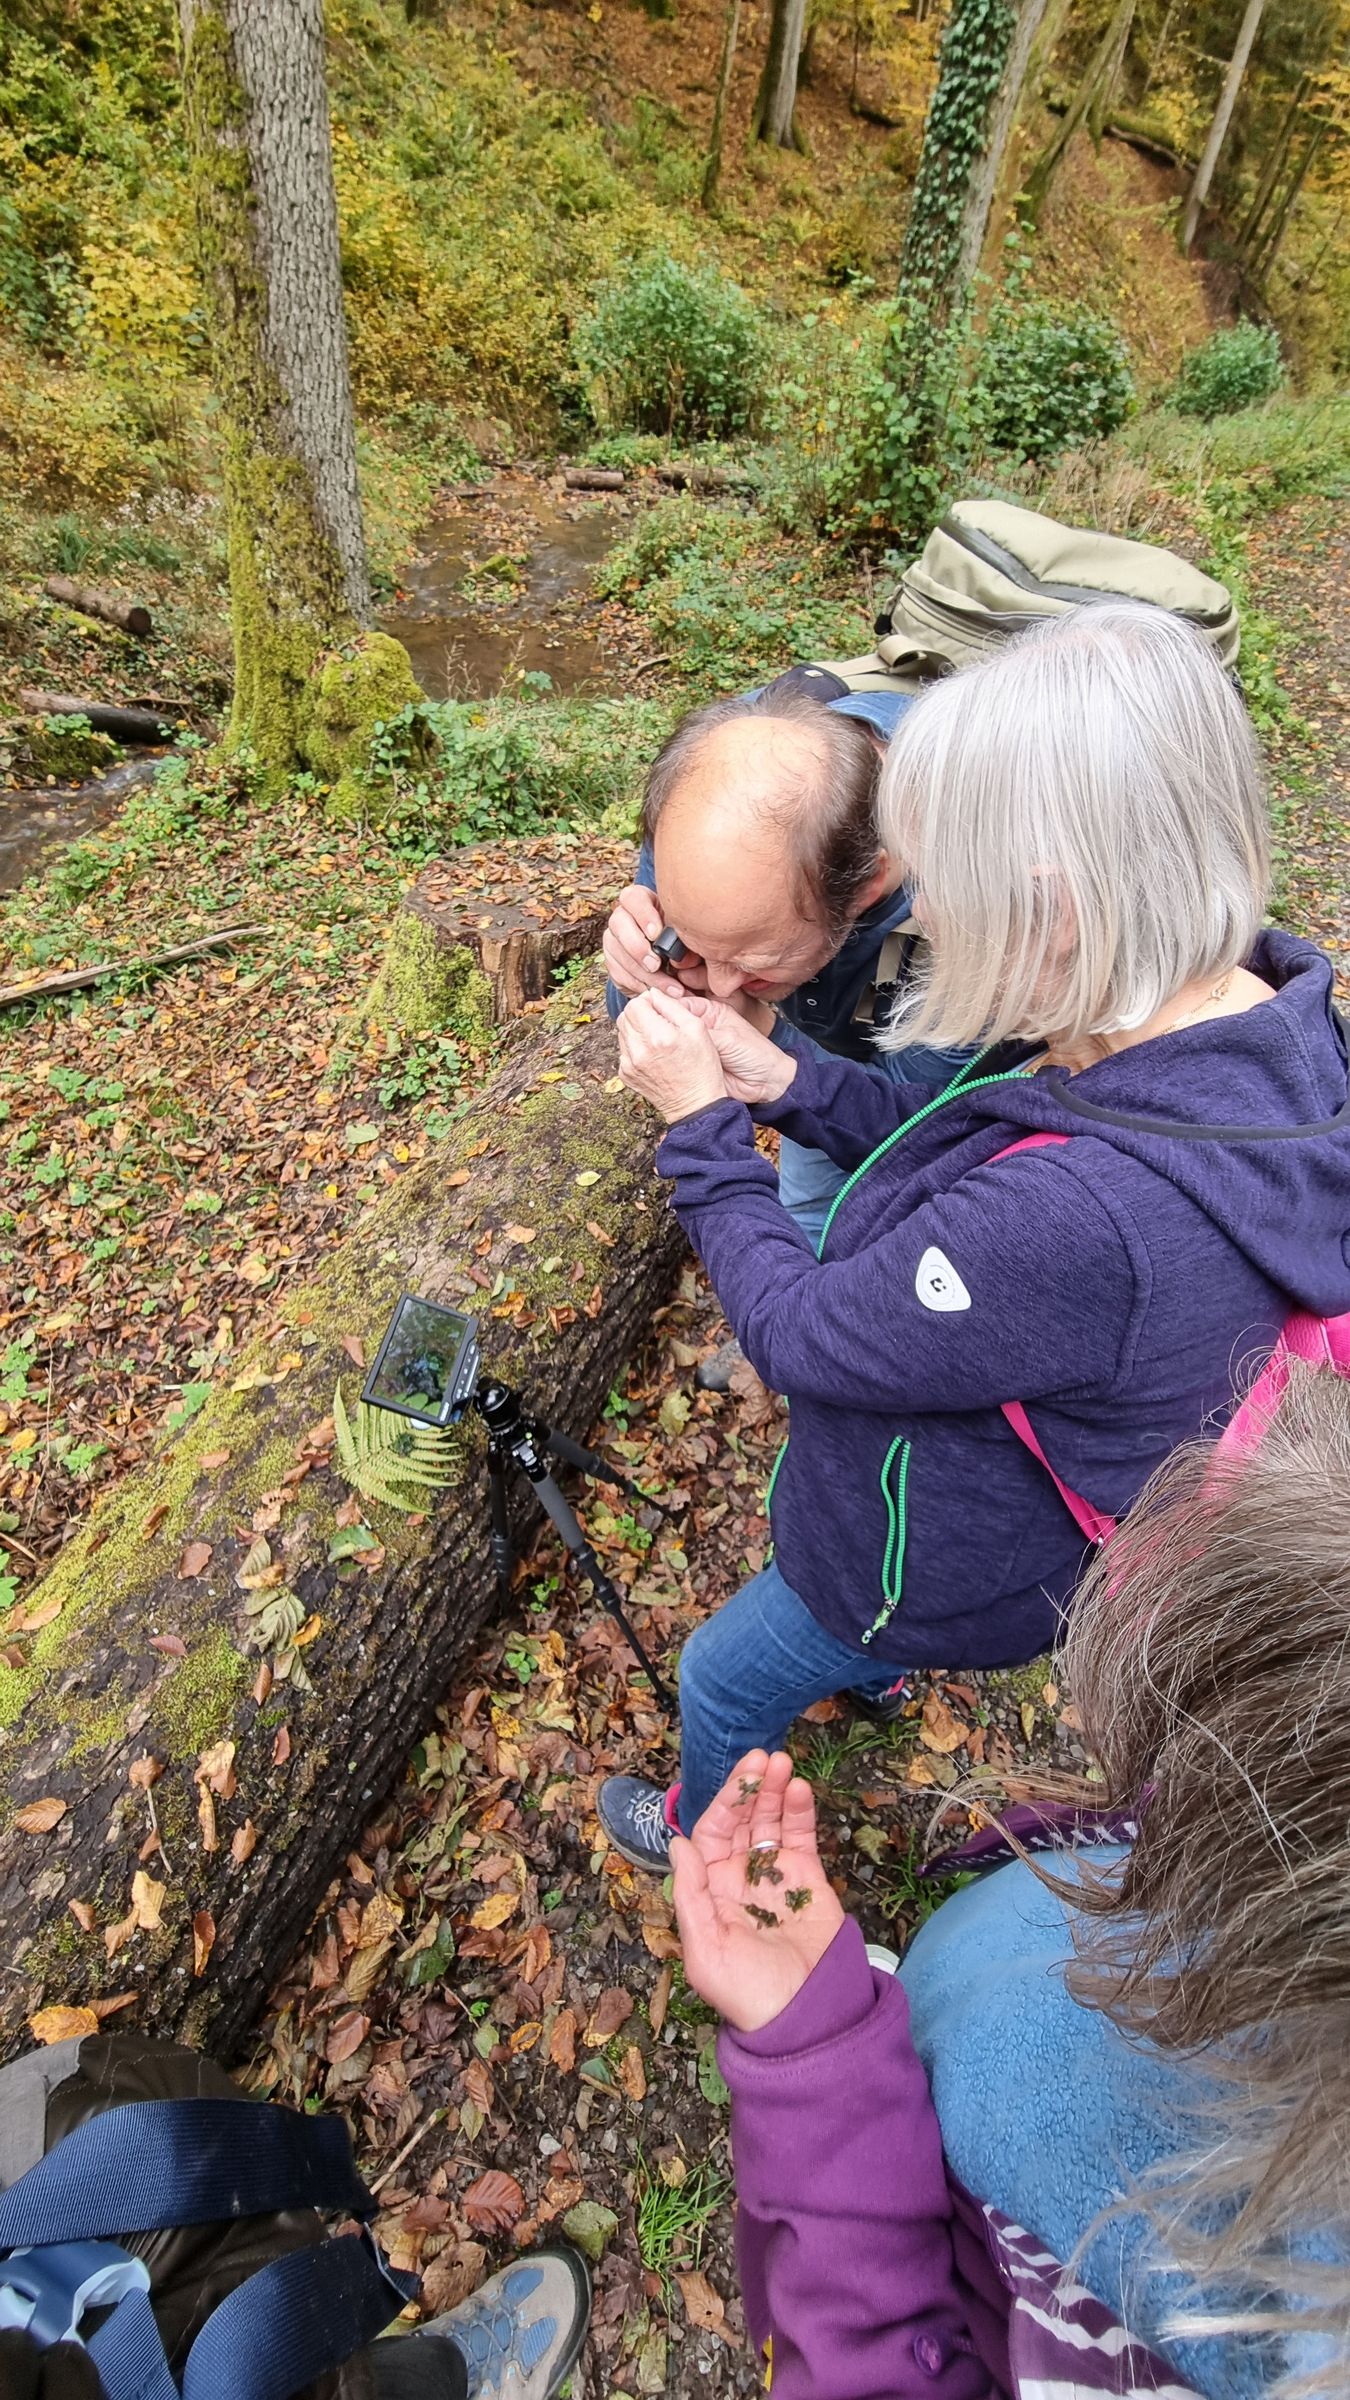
(140, 1644)
(480, 936)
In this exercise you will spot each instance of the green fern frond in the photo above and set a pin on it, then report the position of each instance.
(388, 1459)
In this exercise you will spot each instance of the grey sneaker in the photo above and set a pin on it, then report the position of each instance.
(714, 1374)
(633, 1815)
(521, 2333)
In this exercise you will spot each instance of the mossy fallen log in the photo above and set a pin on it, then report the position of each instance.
(137, 1662)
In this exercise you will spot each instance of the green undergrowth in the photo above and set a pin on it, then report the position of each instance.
(727, 597)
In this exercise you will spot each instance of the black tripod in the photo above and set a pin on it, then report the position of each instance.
(525, 1442)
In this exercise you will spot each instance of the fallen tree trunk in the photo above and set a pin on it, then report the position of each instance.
(593, 479)
(540, 1210)
(89, 600)
(124, 724)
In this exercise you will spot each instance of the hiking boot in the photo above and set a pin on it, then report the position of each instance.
(714, 1374)
(632, 1813)
(521, 2332)
(884, 1708)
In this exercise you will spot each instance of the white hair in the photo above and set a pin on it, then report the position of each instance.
(1084, 818)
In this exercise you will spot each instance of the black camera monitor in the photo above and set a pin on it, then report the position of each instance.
(427, 1364)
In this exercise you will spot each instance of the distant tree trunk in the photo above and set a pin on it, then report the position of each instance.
(1273, 169)
(1232, 84)
(713, 169)
(981, 65)
(1159, 48)
(1103, 64)
(1040, 57)
(256, 113)
(1110, 77)
(775, 103)
(1275, 235)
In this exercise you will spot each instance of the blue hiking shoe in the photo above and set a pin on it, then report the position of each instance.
(521, 2333)
(632, 1814)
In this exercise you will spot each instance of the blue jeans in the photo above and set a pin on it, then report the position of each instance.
(808, 1181)
(747, 1672)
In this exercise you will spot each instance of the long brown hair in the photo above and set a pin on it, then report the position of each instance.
(1209, 1659)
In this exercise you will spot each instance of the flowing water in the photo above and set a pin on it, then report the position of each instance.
(464, 641)
(463, 647)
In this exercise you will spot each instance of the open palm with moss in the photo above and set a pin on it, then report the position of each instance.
(756, 1910)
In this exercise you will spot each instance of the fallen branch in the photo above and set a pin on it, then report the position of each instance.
(124, 724)
(593, 479)
(88, 600)
(80, 977)
(700, 479)
(660, 658)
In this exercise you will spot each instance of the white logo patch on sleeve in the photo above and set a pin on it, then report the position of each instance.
(937, 1283)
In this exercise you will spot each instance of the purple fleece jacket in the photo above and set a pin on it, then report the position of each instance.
(877, 2274)
(1118, 1285)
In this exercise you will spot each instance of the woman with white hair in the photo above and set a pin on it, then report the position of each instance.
(1039, 1281)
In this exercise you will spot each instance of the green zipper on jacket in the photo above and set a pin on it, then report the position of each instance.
(894, 1485)
(893, 1490)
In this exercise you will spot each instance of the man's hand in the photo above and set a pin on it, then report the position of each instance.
(755, 1908)
(668, 1056)
(754, 1067)
(635, 920)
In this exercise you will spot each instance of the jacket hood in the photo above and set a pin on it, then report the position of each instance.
(1248, 1115)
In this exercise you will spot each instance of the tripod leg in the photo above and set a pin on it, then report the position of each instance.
(607, 1593)
(503, 1548)
(590, 1463)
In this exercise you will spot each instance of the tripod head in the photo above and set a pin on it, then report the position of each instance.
(429, 1367)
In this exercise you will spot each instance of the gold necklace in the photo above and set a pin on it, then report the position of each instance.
(1216, 993)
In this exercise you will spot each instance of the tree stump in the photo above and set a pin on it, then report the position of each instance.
(521, 910)
(143, 1701)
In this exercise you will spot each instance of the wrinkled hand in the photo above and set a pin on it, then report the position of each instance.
(633, 965)
(668, 1056)
(754, 1067)
(754, 1921)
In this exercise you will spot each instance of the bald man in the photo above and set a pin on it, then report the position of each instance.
(760, 849)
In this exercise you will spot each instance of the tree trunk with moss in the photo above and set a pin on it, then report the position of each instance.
(255, 107)
(1098, 80)
(774, 119)
(182, 1624)
(713, 167)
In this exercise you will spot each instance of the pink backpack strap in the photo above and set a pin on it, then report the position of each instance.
(1321, 1341)
(1093, 1523)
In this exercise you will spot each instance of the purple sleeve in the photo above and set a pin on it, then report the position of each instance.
(844, 2218)
(1052, 1271)
(840, 1106)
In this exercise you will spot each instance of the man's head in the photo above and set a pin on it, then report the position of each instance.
(762, 819)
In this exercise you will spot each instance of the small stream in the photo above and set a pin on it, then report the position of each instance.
(463, 648)
(48, 817)
(466, 638)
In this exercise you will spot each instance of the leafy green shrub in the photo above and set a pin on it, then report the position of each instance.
(1238, 365)
(725, 597)
(887, 439)
(670, 349)
(508, 765)
(1050, 379)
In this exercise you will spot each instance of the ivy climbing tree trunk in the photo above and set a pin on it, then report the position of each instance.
(256, 114)
(981, 64)
(1232, 84)
(713, 170)
(775, 103)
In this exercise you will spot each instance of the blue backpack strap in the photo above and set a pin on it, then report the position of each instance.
(294, 2320)
(156, 2163)
(129, 2354)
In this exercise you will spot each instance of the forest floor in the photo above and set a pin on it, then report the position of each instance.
(495, 2002)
